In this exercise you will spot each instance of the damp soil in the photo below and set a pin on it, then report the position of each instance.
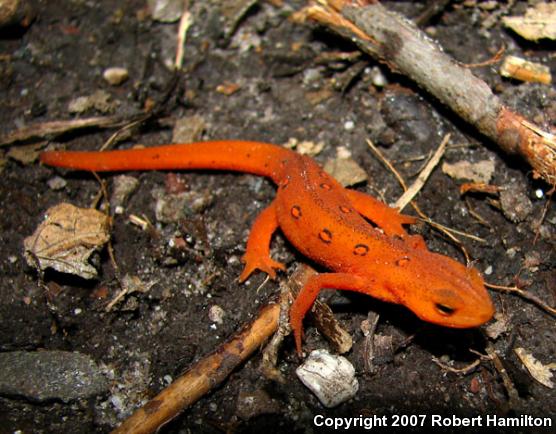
(260, 76)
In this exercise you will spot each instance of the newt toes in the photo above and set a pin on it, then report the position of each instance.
(325, 222)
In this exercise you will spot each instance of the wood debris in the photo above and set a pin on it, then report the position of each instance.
(525, 70)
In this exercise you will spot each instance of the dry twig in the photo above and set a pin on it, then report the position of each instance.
(55, 128)
(513, 396)
(185, 22)
(464, 370)
(524, 294)
(269, 359)
(412, 191)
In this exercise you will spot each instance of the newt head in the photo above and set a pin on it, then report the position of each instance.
(443, 291)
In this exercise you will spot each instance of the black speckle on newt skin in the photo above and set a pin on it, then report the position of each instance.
(325, 236)
(296, 212)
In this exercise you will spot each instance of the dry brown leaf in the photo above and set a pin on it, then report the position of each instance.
(541, 373)
(499, 327)
(26, 154)
(188, 129)
(66, 238)
(99, 100)
(346, 171)
(538, 22)
(480, 172)
(304, 147)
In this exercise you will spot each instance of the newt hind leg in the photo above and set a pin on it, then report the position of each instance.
(257, 253)
(390, 220)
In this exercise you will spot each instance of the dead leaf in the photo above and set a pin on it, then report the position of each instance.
(515, 203)
(499, 327)
(480, 172)
(166, 11)
(130, 284)
(304, 147)
(346, 171)
(188, 129)
(100, 100)
(26, 154)
(541, 373)
(538, 22)
(66, 238)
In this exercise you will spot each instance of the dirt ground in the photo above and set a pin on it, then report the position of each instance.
(259, 76)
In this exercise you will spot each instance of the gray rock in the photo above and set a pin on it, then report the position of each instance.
(48, 375)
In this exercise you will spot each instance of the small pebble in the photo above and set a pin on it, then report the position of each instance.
(166, 11)
(216, 314)
(349, 125)
(377, 77)
(115, 75)
(57, 183)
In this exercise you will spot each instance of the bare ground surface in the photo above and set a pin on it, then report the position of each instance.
(284, 91)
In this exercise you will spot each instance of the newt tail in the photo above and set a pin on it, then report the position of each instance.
(240, 156)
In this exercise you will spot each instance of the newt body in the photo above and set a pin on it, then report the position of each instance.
(325, 222)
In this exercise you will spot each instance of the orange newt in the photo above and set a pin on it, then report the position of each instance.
(325, 222)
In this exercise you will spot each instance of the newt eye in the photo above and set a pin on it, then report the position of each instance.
(444, 310)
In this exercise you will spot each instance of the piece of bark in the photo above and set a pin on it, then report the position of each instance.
(394, 40)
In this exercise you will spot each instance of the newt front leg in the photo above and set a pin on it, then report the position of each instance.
(257, 252)
(310, 291)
